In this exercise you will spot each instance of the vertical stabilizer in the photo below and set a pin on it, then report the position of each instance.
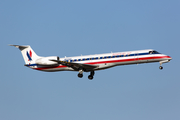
(28, 54)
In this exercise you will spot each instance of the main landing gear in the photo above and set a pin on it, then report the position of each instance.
(80, 75)
(90, 77)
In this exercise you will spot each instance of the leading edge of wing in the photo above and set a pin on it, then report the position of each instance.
(70, 64)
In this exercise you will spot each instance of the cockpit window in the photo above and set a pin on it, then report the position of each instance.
(150, 52)
(153, 52)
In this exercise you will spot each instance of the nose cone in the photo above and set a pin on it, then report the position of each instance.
(167, 57)
(170, 58)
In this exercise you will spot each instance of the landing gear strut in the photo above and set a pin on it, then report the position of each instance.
(164, 61)
(161, 67)
(90, 77)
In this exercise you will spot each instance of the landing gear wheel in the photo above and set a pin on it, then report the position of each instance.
(160, 67)
(90, 77)
(80, 75)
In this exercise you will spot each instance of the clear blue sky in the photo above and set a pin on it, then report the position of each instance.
(72, 28)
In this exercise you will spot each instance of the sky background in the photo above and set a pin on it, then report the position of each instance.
(71, 28)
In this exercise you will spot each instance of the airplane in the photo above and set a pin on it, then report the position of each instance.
(90, 63)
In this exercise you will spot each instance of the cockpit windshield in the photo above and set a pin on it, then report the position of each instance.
(153, 52)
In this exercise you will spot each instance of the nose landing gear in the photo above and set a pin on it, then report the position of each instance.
(160, 67)
(161, 62)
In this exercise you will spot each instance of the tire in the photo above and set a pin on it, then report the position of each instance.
(80, 75)
(90, 77)
(160, 67)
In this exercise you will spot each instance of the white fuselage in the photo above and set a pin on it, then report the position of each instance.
(104, 61)
(89, 63)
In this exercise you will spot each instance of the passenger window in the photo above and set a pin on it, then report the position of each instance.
(131, 54)
(136, 54)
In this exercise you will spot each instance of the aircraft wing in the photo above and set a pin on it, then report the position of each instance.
(76, 66)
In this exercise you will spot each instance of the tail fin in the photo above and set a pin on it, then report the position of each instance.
(28, 54)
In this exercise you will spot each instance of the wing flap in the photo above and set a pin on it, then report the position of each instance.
(76, 65)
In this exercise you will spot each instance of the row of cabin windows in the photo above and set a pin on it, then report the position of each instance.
(117, 56)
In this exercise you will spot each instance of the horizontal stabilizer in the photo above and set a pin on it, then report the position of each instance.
(20, 46)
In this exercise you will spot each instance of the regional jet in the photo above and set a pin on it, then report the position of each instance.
(90, 63)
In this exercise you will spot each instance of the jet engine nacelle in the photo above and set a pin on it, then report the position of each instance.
(47, 60)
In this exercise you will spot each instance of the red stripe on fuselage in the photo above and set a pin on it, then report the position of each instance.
(44, 68)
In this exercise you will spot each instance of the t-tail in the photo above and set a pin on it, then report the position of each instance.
(30, 57)
(28, 54)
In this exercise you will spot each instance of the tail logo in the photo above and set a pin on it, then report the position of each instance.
(29, 55)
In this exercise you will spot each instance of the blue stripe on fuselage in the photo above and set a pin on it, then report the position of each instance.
(28, 65)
